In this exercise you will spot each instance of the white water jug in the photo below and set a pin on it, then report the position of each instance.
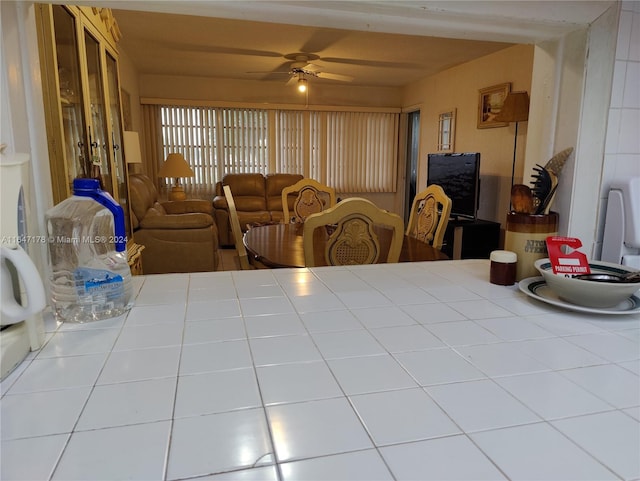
(91, 278)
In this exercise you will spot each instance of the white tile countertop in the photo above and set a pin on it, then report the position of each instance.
(421, 371)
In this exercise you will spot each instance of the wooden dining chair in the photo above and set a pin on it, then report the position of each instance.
(312, 197)
(352, 237)
(429, 216)
(243, 258)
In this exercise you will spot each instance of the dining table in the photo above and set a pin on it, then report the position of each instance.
(281, 245)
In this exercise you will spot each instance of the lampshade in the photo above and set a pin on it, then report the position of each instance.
(302, 85)
(132, 147)
(515, 108)
(175, 166)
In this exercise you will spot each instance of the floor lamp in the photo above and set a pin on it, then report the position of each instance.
(514, 109)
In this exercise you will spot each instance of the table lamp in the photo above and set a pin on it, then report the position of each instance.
(514, 109)
(175, 166)
(131, 143)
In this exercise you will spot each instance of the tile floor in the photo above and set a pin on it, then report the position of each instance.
(329, 374)
(228, 260)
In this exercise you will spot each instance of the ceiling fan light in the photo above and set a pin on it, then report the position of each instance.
(302, 85)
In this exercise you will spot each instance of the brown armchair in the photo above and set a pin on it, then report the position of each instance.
(179, 236)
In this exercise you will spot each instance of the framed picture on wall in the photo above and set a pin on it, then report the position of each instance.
(446, 130)
(490, 102)
(126, 110)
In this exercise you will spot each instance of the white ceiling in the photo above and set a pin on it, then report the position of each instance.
(381, 43)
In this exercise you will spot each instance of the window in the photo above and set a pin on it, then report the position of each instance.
(191, 132)
(361, 151)
(243, 144)
(292, 141)
(351, 151)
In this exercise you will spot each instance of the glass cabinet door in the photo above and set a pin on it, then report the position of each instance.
(98, 141)
(71, 99)
(81, 93)
(120, 174)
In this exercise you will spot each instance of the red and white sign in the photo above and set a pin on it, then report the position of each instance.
(569, 260)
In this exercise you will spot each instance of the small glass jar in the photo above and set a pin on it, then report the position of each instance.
(503, 268)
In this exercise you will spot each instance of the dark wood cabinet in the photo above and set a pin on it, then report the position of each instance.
(471, 239)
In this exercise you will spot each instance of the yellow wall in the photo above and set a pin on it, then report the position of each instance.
(458, 88)
(129, 83)
(267, 92)
(454, 88)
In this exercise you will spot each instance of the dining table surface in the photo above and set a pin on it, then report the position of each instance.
(281, 245)
(402, 371)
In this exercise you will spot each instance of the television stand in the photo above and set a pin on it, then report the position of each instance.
(467, 238)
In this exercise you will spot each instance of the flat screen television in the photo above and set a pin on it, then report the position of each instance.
(459, 176)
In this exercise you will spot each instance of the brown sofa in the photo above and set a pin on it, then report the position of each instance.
(258, 199)
(179, 236)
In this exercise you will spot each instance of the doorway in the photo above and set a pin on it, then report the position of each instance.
(411, 179)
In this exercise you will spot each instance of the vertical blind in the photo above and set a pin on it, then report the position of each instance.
(243, 144)
(191, 132)
(215, 141)
(361, 151)
(351, 151)
(291, 142)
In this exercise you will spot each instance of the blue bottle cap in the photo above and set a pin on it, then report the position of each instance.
(85, 185)
(91, 188)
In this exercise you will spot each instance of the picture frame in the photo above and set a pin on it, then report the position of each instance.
(490, 101)
(126, 110)
(446, 131)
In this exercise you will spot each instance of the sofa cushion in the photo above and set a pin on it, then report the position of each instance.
(177, 221)
(249, 218)
(250, 203)
(143, 196)
(245, 184)
(188, 206)
(248, 191)
(159, 208)
(274, 185)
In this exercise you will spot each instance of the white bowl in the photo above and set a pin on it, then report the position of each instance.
(589, 293)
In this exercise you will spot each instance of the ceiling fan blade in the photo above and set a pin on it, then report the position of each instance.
(335, 76)
(293, 80)
(323, 38)
(272, 77)
(218, 49)
(312, 67)
(275, 74)
(370, 63)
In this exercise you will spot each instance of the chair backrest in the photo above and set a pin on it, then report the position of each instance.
(429, 216)
(353, 239)
(243, 258)
(313, 197)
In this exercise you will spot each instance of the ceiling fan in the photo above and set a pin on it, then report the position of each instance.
(300, 67)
